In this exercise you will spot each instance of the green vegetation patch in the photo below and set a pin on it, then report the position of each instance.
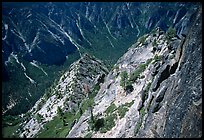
(125, 82)
(122, 111)
(153, 31)
(89, 101)
(111, 109)
(105, 124)
(145, 93)
(109, 123)
(59, 127)
(149, 104)
(10, 124)
(139, 123)
(124, 78)
(142, 112)
(141, 68)
(124, 108)
(143, 39)
(95, 90)
(171, 32)
(116, 67)
(10, 120)
(39, 117)
(40, 104)
(10, 131)
(154, 43)
(51, 129)
(88, 135)
(157, 58)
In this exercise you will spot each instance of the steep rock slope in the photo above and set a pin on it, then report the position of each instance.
(67, 94)
(165, 96)
(53, 33)
(179, 97)
(112, 94)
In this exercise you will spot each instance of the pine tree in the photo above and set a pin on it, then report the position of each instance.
(80, 111)
(92, 117)
(124, 78)
(171, 32)
(59, 112)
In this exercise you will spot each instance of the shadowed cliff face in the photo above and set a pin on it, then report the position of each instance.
(186, 108)
(180, 113)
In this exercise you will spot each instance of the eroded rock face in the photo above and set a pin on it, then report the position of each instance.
(180, 114)
(190, 88)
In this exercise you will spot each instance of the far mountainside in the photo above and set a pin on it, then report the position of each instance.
(41, 40)
(152, 91)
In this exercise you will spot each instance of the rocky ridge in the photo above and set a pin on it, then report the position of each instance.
(73, 86)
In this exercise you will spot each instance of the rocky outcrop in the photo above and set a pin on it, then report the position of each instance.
(166, 100)
(111, 93)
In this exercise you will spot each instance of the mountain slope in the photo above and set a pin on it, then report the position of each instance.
(166, 97)
(154, 89)
(55, 35)
(40, 29)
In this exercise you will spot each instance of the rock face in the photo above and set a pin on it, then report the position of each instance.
(180, 112)
(171, 107)
(182, 79)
